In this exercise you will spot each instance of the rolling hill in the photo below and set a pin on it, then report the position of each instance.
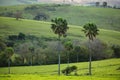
(10, 26)
(78, 2)
(105, 18)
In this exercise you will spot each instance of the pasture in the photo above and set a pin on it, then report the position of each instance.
(101, 70)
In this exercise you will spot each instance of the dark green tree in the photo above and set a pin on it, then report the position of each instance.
(9, 52)
(59, 27)
(97, 4)
(104, 4)
(68, 47)
(32, 52)
(21, 36)
(77, 51)
(90, 30)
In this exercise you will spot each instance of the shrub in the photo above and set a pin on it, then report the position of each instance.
(68, 70)
(116, 49)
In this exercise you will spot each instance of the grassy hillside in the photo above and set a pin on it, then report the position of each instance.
(16, 2)
(10, 26)
(106, 18)
(102, 70)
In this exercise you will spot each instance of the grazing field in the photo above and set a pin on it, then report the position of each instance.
(102, 70)
(9, 26)
(106, 18)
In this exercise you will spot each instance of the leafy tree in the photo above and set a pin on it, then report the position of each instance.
(116, 49)
(41, 16)
(104, 4)
(9, 52)
(77, 51)
(97, 4)
(90, 30)
(21, 36)
(59, 27)
(2, 46)
(68, 47)
(32, 52)
(18, 15)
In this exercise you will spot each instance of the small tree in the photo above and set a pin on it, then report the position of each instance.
(9, 52)
(32, 51)
(68, 47)
(104, 4)
(77, 51)
(18, 15)
(59, 27)
(97, 4)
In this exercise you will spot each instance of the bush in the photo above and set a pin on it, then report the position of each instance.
(41, 16)
(68, 70)
(116, 49)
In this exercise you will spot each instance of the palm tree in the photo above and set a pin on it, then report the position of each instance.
(9, 52)
(68, 47)
(59, 27)
(90, 30)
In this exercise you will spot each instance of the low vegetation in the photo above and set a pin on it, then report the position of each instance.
(102, 70)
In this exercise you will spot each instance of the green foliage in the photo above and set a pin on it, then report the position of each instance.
(68, 70)
(41, 16)
(9, 52)
(68, 45)
(116, 49)
(59, 26)
(21, 36)
(90, 30)
(104, 4)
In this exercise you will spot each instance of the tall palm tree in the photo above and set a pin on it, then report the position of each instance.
(9, 52)
(59, 27)
(90, 30)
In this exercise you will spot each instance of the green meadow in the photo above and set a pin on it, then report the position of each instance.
(10, 26)
(101, 70)
(106, 18)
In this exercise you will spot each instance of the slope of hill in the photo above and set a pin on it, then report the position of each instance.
(82, 2)
(78, 2)
(102, 70)
(40, 28)
(16, 2)
(106, 18)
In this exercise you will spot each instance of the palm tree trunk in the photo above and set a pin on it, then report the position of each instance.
(90, 60)
(9, 66)
(59, 56)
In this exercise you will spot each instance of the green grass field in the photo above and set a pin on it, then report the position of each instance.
(9, 26)
(106, 18)
(101, 70)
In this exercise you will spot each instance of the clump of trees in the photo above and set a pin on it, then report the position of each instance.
(104, 4)
(41, 16)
